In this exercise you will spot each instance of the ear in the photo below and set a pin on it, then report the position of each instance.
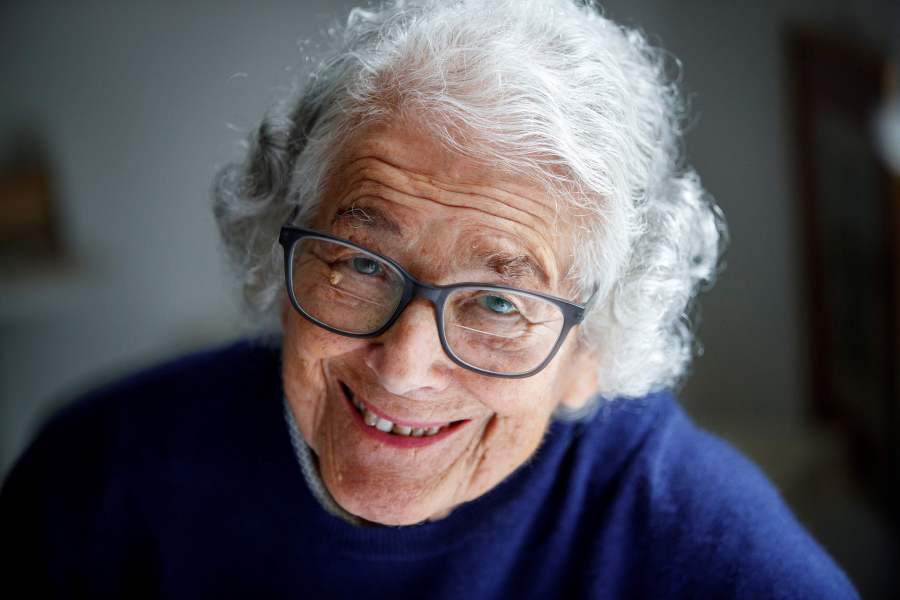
(582, 379)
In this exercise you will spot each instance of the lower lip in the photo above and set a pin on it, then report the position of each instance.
(399, 441)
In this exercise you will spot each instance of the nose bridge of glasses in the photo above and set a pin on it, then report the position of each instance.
(429, 292)
(414, 333)
(432, 294)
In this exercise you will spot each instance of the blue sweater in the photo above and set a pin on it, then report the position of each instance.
(182, 482)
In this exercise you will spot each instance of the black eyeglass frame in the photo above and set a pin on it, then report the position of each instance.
(573, 314)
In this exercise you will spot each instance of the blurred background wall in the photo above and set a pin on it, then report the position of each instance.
(129, 108)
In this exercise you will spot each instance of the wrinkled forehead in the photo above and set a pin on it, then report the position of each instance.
(395, 184)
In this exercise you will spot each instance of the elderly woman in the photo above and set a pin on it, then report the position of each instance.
(470, 232)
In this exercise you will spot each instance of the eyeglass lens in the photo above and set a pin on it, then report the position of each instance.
(500, 331)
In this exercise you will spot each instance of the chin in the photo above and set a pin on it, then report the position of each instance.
(386, 509)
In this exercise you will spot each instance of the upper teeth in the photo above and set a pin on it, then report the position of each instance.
(373, 420)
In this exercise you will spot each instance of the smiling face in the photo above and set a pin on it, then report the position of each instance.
(456, 434)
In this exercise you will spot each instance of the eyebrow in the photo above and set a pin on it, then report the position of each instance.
(510, 266)
(369, 217)
(515, 266)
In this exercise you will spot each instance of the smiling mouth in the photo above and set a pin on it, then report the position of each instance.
(389, 427)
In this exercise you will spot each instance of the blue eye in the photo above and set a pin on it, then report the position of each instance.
(366, 266)
(496, 304)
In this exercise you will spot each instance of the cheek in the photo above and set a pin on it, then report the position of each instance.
(521, 412)
(515, 397)
(307, 353)
(308, 343)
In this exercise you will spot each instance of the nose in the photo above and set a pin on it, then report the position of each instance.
(408, 357)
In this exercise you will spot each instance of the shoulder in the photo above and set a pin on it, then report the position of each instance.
(111, 427)
(173, 391)
(189, 378)
(74, 504)
(708, 517)
(203, 386)
(160, 404)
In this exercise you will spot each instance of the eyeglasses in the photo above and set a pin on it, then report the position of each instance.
(490, 329)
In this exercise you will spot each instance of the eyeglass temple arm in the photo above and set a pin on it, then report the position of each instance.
(591, 301)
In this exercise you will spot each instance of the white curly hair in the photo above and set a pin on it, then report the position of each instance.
(547, 88)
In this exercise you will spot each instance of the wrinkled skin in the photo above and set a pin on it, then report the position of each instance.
(449, 209)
